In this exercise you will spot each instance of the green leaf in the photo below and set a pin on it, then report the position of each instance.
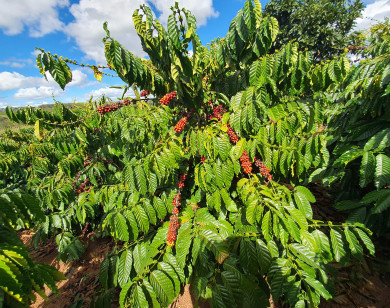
(171, 273)
(214, 242)
(356, 249)
(265, 226)
(366, 240)
(383, 202)
(367, 169)
(124, 267)
(141, 179)
(264, 256)
(303, 203)
(305, 254)
(298, 216)
(103, 273)
(233, 280)
(318, 287)
(123, 295)
(337, 245)
(121, 227)
(379, 141)
(382, 171)
(142, 218)
(141, 258)
(248, 255)
(139, 297)
(183, 243)
(349, 156)
(163, 287)
(173, 31)
(306, 192)
(323, 242)
(151, 295)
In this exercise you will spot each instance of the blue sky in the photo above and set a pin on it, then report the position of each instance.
(73, 29)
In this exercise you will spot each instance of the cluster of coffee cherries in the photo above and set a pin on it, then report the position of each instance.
(209, 103)
(232, 135)
(180, 125)
(218, 111)
(356, 48)
(85, 229)
(174, 222)
(187, 113)
(87, 161)
(113, 106)
(167, 98)
(85, 186)
(182, 179)
(174, 219)
(104, 161)
(107, 162)
(245, 163)
(264, 171)
(144, 93)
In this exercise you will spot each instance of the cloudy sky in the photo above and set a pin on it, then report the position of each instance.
(73, 28)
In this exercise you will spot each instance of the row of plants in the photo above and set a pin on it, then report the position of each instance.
(203, 178)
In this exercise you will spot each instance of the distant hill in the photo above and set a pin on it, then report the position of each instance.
(5, 123)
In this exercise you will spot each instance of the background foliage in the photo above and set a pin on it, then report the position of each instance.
(321, 26)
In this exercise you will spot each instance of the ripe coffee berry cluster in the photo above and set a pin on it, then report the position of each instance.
(176, 203)
(356, 48)
(144, 93)
(85, 229)
(167, 98)
(114, 106)
(218, 112)
(173, 227)
(188, 113)
(182, 179)
(87, 161)
(109, 107)
(264, 171)
(174, 219)
(232, 135)
(86, 186)
(107, 162)
(180, 125)
(127, 102)
(245, 163)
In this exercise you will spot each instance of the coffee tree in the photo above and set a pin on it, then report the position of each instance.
(189, 178)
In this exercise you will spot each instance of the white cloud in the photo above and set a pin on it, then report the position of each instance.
(201, 9)
(39, 16)
(14, 62)
(108, 92)
(36, 93)
(87, 28)
(78, 79)
(373, 13)
(11, 81)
